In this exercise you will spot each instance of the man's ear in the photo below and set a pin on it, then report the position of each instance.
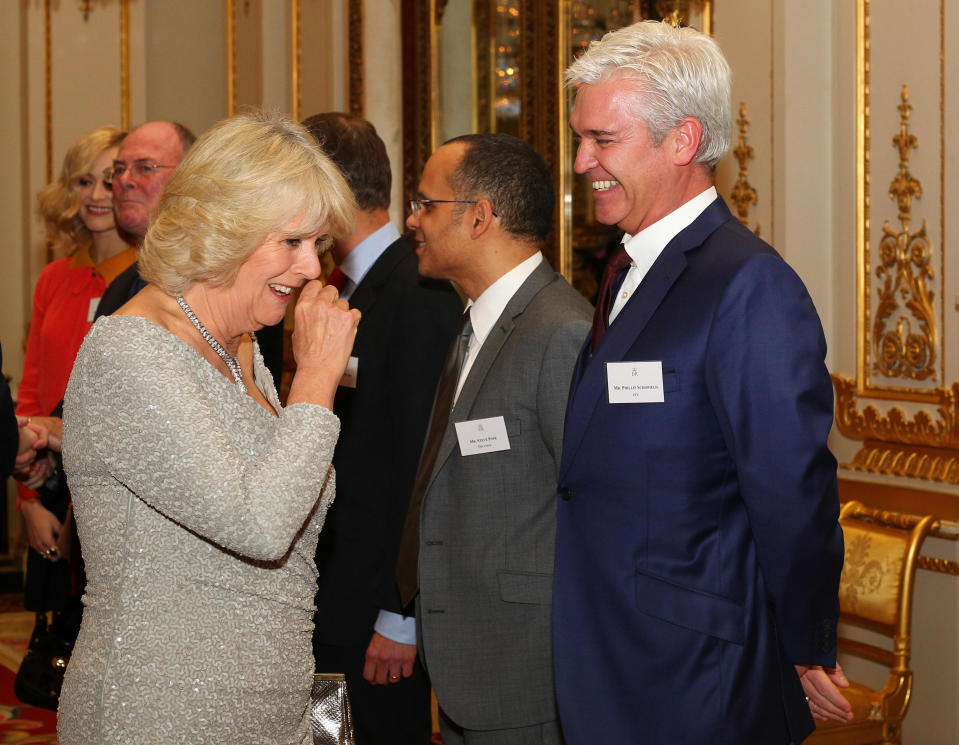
(482, 218)
(686, 138)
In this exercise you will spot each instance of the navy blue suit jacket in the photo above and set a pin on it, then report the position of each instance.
(698, 551)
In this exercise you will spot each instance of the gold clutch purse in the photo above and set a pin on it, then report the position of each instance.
(331, 716)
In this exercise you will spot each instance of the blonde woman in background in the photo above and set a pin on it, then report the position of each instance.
(198, 497)
(77, 212)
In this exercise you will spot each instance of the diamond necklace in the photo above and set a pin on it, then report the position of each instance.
(231, 362)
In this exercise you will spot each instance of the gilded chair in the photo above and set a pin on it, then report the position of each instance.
(875, 593)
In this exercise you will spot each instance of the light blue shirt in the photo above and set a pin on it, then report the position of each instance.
(360, 260)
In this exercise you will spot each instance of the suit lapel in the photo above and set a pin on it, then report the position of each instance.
(589, 379)
(365, 295)
(495, 340)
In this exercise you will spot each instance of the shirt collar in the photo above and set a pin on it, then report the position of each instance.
(108, 268)
(489, 306)
(365, 253)
(644, 247)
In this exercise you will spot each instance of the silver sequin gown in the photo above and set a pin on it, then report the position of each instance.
(198, 513)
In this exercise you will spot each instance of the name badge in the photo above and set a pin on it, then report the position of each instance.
(92, 310)
(349, 374)
(635, 382)
(482, 436)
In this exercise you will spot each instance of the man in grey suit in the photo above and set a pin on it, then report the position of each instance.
(477, 547)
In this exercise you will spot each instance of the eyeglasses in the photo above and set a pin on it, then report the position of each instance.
(140, 170)
(417, 205)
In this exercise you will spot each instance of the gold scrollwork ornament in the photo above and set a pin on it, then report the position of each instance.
(905, 271)
(743, 193)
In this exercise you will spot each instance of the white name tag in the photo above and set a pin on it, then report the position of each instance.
(349, 374)
(482, 436)
(92, 310)
(635, 382)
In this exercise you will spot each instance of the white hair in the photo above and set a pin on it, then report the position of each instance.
(678, 73)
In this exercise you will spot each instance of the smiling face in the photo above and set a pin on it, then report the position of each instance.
(440, 228)
(94, 200)
(264, 283)
(135, 198)
(632, 179)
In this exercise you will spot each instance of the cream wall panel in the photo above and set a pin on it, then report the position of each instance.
(15, 218)
(383, 88)
(248, 18)
(743, 30)
(186, 62)
(323, 45)
(84, 52)
(277, 56)
(804, 148)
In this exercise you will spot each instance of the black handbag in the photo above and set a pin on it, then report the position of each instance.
(40, 676)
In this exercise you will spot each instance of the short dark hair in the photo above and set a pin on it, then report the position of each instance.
(187, 138)
(512, 176)
(353, 145)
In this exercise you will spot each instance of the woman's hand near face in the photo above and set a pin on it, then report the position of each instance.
(324, 328)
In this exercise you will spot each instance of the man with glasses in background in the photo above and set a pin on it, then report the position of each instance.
(144, 164)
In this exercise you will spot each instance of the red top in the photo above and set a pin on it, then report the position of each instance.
(62, 315)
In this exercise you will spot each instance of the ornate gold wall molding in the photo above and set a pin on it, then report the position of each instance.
(48, 91)
(899, 342)
(924, 446)
(295, 57)
(744, 194)
(905, 271)
(356, 64)
(230, 57)
(125, 122)
(902, 351)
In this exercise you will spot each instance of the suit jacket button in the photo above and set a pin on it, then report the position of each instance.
(566, 493)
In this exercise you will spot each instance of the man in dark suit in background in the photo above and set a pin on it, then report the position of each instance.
(698, 552)
(384, 405)
(477, 550)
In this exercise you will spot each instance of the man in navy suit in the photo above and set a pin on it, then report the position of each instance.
(698, 551)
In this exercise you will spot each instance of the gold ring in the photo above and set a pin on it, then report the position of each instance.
(394, 676)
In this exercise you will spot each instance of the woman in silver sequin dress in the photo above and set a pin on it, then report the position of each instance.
(198, 496)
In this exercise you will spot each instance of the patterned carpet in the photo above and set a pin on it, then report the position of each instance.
(19, 724)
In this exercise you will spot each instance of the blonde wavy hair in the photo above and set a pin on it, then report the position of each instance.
(246, 177)
(59, 201)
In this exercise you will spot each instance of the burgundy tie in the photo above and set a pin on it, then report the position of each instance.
(337, 279)
(618, 261)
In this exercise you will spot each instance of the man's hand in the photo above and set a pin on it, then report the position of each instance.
(822, 685)
(388, 661)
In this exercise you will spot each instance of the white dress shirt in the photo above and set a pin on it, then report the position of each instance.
(489, 306)
(646, 246)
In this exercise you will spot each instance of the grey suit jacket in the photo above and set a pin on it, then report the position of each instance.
(488, 521)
